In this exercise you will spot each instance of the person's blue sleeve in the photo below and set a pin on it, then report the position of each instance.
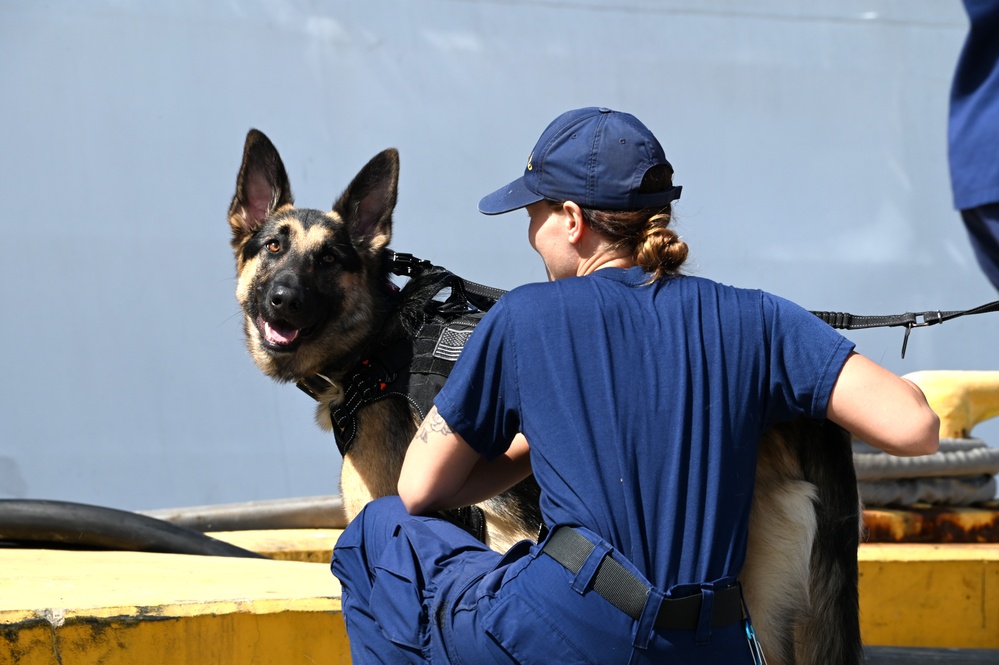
(805, 359)
(480, 400)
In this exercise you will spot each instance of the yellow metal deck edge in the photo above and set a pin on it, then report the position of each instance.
(111, 608)
(943, 596)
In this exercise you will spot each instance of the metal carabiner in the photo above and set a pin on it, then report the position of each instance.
(916, 323)
(755, 648)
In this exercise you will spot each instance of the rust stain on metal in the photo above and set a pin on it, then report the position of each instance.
(933, 525)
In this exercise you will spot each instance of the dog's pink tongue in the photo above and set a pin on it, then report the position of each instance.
(279, 335)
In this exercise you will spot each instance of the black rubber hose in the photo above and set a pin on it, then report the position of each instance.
(85, 526)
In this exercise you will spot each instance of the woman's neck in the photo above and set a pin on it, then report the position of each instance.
(605, 259)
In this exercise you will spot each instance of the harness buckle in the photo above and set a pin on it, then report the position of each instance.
(927, 321)
(920, 321)
(405, 264)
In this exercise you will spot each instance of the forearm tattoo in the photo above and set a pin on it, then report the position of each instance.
(434, 423)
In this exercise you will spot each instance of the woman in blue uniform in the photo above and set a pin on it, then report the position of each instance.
(637, 397)
(973, 134)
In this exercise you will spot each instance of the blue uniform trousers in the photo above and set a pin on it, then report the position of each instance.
(420, 589)
(983, 228)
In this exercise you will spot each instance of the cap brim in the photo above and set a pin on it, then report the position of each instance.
(513, 196)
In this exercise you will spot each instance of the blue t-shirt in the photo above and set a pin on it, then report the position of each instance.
(974, 111)
(643, 406)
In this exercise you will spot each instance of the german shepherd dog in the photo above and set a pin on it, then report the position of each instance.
(317, 300)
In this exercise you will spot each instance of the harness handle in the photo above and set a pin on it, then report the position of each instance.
(480, 296)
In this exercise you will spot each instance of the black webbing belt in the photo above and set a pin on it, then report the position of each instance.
(626, 592)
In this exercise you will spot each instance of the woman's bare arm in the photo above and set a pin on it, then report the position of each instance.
(882, 409)
(442, 471)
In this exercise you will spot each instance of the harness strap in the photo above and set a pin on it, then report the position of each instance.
(469, 518)
(372, 378)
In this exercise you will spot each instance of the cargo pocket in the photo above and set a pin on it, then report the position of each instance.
(400, 610)
(528, 635)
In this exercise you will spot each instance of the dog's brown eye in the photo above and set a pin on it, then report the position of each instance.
(328, 259)
(273, 247)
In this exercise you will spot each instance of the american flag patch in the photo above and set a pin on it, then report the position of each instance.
(452, 340)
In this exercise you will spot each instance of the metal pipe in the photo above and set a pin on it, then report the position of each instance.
(311, 512)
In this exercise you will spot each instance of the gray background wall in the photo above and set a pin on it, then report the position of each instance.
(809, 137)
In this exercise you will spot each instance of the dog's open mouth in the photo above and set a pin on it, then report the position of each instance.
(281, 335)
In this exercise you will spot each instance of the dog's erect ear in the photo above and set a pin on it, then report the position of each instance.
(261, 186)
(367, 203)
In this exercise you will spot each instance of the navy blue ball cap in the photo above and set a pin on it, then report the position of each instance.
(593, 156)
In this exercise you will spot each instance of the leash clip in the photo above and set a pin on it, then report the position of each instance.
(915, 322)
(755, 648)
(927, 321)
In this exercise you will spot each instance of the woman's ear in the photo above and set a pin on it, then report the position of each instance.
(575, 225)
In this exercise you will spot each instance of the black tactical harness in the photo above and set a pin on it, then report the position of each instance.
(415, 366)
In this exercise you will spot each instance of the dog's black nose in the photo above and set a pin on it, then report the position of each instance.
(285, 298)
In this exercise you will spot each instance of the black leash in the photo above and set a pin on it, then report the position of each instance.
(909, 320)
(483, 296)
